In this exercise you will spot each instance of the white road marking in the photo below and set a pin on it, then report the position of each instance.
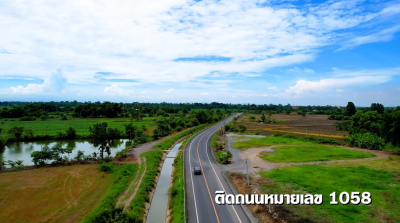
(219, 179)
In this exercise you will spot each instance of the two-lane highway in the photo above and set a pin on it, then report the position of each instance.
(200, 189)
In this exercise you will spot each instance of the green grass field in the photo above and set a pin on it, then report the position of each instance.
(243, 142)
(383, 185)
(307, 153)
(81, 125)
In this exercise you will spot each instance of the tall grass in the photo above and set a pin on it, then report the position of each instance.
(176, 193)
(136, 209)
(105, 210)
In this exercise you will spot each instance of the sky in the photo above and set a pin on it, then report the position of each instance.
(230, 51)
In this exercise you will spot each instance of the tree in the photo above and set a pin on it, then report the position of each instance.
(377, 107)
(269, 114)
(102, 137)
(390, 130)
(350, 109)
(262, 117)
(16, 132)
(363, 122)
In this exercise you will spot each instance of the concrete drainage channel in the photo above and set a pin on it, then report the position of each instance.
(159, 203)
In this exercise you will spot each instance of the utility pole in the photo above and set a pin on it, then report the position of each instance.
(248, 183)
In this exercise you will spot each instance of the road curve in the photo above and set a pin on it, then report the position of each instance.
(200, 189)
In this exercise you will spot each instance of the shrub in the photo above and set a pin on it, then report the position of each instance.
(28, 118)
(63, 118)
(242, 128)
(106, 167)
(70, 133)
(366, 140)
(121, 154)
(257, 132)
(44, 117)
(223, 157)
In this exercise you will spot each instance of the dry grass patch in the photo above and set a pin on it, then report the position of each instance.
(53, 194)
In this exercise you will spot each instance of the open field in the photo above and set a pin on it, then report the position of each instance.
(243, 142)
(53, 194)
(311, 125)
(81, 125)
(308, 153)
(320, 179)
(345, 172)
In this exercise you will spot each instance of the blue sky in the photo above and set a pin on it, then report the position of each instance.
(297, 52)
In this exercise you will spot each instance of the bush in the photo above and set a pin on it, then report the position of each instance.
(242, 128)
(106, 167)
(366, 140)
(257, 132)
(63, 118)
(28, 118)
(70, 133)
(44, 117)
(223, 157)
(121, 154)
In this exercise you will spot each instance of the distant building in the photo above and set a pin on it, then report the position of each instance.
(295, 107)
(338, 107)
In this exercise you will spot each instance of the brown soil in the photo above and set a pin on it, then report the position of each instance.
(315, 125)
(241, 185)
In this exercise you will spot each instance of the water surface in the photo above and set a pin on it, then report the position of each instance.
(23, 150)
(159, 203)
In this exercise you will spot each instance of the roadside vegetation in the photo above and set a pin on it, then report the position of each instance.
(136, 209)
(308, 153)
(176, 191)
(222, 154)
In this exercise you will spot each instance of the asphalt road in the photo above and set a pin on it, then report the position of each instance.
(200, 189)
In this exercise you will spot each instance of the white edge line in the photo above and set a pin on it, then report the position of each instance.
(218, 177)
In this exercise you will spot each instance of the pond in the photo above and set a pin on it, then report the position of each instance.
(23, 150)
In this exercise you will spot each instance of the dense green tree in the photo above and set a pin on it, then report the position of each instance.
(363, 122)
(377, 107)
(16, 132)
(390, 130)
(102, 137)
(350, 109)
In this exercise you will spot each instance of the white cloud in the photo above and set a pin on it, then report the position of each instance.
(340, 90)
(326, 85)
(141, 40)
(299, 70)
(272, 88)
(170, 90)
(52, 84)
(381, 36)
(204, 93)
(335, 68)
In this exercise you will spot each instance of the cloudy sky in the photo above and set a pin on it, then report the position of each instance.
(252, 51)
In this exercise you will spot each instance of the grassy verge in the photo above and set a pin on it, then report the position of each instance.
(105, 210)
(52, 194)
(136, 208)
(167, 143)
(307, 153)
(176, 195)
(322, 179)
